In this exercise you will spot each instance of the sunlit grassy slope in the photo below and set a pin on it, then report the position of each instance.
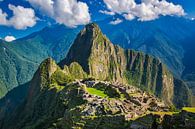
(189, 109)
(96, 92)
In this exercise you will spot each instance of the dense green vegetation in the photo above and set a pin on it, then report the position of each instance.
(77, 71)
(60, 78)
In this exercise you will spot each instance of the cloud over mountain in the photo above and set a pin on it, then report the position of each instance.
(117, 21)
(21, 19)
(68, 12)
(146, 10)
(9, 38)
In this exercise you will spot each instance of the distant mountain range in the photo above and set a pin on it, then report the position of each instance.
(21, 58)
(99, 85)
(169, 38)
(164, 38)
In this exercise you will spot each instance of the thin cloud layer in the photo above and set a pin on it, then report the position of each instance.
(145, 11)
(21, 19)
(117, 21)
(9, 38)
(68, 12)
(107, 12)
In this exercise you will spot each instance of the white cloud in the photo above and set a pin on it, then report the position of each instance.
(9, 38)
(129, 16)
(120, 6)
(146, 10)
(107, 12)
(21, 19)
(117, 21)
(45, 6)
(68, 12)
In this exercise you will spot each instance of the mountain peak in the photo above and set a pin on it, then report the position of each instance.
(83, 46)
(92, 30)
(48, 65)
(42, 76)
(92, 26)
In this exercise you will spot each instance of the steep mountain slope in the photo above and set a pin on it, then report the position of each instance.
(12, 100)
(189, 62)
(21, 58)
(104, 61)
(14, 68)
(169, 38)
(83, 93)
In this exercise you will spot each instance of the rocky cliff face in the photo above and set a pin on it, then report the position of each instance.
(105, 61)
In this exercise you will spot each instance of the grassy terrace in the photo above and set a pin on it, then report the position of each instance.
(164, 113)
(96, 92)
(189, 109)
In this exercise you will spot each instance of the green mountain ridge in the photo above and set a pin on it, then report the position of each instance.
(21, 58)
(94, 87)
(13, 68)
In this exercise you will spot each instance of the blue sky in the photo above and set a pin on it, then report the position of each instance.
(26, 16)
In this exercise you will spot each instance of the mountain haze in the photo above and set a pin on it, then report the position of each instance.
(21, 58)
(164, 38)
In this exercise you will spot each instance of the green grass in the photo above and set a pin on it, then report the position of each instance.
(96, 92)
(189, 109)
(164, 113)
